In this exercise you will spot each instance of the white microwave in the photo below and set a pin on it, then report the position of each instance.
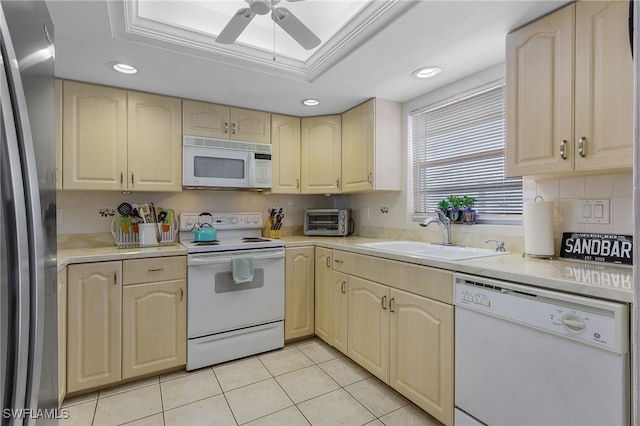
(218, 163)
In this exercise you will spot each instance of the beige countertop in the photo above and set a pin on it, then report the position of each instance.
(588, 279)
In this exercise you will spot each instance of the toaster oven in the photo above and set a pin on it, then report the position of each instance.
(327, 222)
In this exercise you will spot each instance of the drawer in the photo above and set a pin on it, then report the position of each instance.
(152, 269)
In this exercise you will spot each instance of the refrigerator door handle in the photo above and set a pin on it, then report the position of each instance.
(32, 234)
(17, 348)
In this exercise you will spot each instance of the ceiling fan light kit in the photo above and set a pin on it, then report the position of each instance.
(280, 15)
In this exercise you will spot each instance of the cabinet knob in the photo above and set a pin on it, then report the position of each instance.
(328, 261)
(370, 177)
(233, 129)
(226, 127)
(342, 289)
(384, 302)
(392, 305)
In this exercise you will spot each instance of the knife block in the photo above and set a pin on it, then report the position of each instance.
(267, 232)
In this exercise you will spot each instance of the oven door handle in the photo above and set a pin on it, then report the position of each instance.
(226, 259)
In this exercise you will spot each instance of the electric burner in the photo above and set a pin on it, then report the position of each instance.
(235, 231)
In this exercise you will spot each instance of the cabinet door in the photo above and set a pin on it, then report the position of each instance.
(249, 125)
(357, 147)
(539, 107)
(285, 149)
(154, 142)
(62, 335)
(205, 119)
(421, 352)
(604, 86)
(320, 155)
(299, 293)
(94, 133)
(94, 324)
(368, 326)
(154, 338)
(323, 293)
(339, 319)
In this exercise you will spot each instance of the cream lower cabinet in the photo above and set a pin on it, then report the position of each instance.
(299, 293)
(94, 324)
(368, 326)
(569, 86)
(285, 149)
(339, 311)
(154, 327)
(323, 293)
(321, 155)
(62, 335)
(124, 319)
(421, 352)
(398, 320)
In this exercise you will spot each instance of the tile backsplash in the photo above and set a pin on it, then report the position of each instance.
(384, 215)
(79, 212)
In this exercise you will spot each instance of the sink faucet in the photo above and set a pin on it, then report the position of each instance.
(445, 225)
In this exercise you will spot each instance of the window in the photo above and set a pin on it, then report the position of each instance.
(458, 149)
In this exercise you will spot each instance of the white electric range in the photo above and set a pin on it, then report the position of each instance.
(227, 319)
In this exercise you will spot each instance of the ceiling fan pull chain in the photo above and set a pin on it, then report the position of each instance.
(274, 40)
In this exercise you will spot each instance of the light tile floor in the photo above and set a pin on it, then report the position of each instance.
(304, 383)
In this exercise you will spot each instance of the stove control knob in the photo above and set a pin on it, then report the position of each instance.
(247, 220)
(254, 219)
(233, 220)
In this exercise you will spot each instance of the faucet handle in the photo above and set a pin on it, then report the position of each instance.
(442, 216)
(500, 245)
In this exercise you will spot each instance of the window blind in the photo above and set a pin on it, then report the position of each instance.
(458, 149)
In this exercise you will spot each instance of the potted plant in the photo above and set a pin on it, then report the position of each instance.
(468, 212)
(456, 208)
(444, 206)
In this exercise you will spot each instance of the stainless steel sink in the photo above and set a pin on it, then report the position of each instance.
(435, 251)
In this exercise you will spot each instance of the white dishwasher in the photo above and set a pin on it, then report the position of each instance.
(528, 356)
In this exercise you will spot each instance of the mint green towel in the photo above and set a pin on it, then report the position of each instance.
(242, 269)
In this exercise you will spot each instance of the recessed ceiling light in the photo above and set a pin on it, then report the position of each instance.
(426, 72)
(311, 102)
(123, 68)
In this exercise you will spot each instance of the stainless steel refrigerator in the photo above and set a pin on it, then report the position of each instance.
(28, 316)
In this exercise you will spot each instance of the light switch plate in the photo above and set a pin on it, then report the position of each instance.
(594, 211)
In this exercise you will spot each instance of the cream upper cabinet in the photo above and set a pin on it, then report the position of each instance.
(368, 326)
(154, 318)
(94, 324)
(94, 137)
(299, 293)
(285, 150)
(421, 368)
(321, 155)
(371, 147)
(323, 293)
(62, 335)
(603, 135)
(118, 140)
(209, 120)
(562, 118)
(339, 315)
(154, 142)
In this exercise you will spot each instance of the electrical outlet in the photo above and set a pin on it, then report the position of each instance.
(594, 211)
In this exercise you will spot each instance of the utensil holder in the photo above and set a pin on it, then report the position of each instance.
(267, 232)
(126, 235)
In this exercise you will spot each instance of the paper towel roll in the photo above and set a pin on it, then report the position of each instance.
(538, 228)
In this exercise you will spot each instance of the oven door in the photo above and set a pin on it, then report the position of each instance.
(216, 304)
(216, 167)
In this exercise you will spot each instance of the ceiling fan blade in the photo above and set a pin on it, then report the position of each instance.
(295, 28)
(235, 26)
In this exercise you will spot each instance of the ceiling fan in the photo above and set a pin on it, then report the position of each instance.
(280, 15)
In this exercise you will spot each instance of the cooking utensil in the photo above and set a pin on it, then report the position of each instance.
(162, 216)
(125, 209)
(204, 232)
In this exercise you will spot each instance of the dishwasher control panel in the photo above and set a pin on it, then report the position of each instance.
(595, 322)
